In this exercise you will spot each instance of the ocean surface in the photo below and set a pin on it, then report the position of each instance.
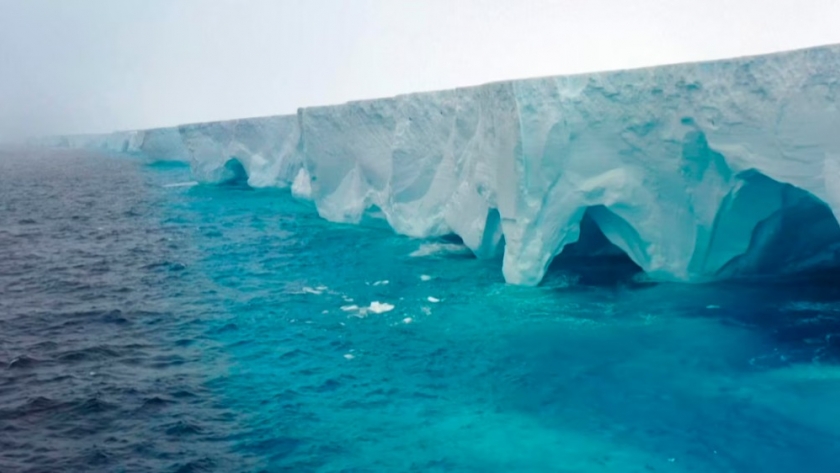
(148, 324)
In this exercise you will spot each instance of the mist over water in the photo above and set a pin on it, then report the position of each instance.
(151, 324)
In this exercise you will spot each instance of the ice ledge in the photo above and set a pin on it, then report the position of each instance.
(696, 171)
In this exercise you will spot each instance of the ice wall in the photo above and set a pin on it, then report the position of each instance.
(694, 170)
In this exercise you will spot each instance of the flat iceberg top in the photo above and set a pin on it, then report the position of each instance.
(695, 171)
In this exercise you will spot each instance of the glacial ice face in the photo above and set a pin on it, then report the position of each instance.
(159, 144)
(266, 148)
(695, 171)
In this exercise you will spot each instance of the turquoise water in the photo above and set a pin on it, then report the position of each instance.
(266, 361)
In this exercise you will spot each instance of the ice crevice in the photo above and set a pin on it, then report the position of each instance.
(695, 171)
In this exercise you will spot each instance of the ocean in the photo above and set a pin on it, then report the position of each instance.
(152, 324)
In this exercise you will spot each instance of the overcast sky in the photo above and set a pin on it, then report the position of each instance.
(70, 66)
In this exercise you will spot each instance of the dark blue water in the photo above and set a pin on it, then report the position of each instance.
(151, 326)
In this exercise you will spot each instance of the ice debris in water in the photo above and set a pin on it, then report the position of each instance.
(380, 307)
(381, 283)
(349, 356)
(182, 184)
(375, 307)
(436, 249)
(407, 320)
(695, 171)
(425, 277)
(432, 299)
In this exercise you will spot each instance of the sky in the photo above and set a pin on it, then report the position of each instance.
(73, 66)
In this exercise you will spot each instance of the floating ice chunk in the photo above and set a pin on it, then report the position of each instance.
(310, 290)
(380, 307)
(439, 249)
(349, 356)
(182, 184)
(425, 277)
(381, 283)
(433, 300)
(407, 320)
(349, 308)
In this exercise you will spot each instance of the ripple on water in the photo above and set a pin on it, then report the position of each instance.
(88, 381)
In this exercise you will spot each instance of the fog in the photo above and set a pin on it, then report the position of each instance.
(71, 66)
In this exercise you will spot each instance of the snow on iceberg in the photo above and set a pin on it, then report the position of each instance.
(695, 171)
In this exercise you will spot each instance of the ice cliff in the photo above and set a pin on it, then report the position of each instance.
(695, 171)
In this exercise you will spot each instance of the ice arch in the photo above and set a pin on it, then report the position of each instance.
(765, 227)
(233, 173)
(594, 256)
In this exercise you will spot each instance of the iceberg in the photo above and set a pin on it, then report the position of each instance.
(695, 171)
